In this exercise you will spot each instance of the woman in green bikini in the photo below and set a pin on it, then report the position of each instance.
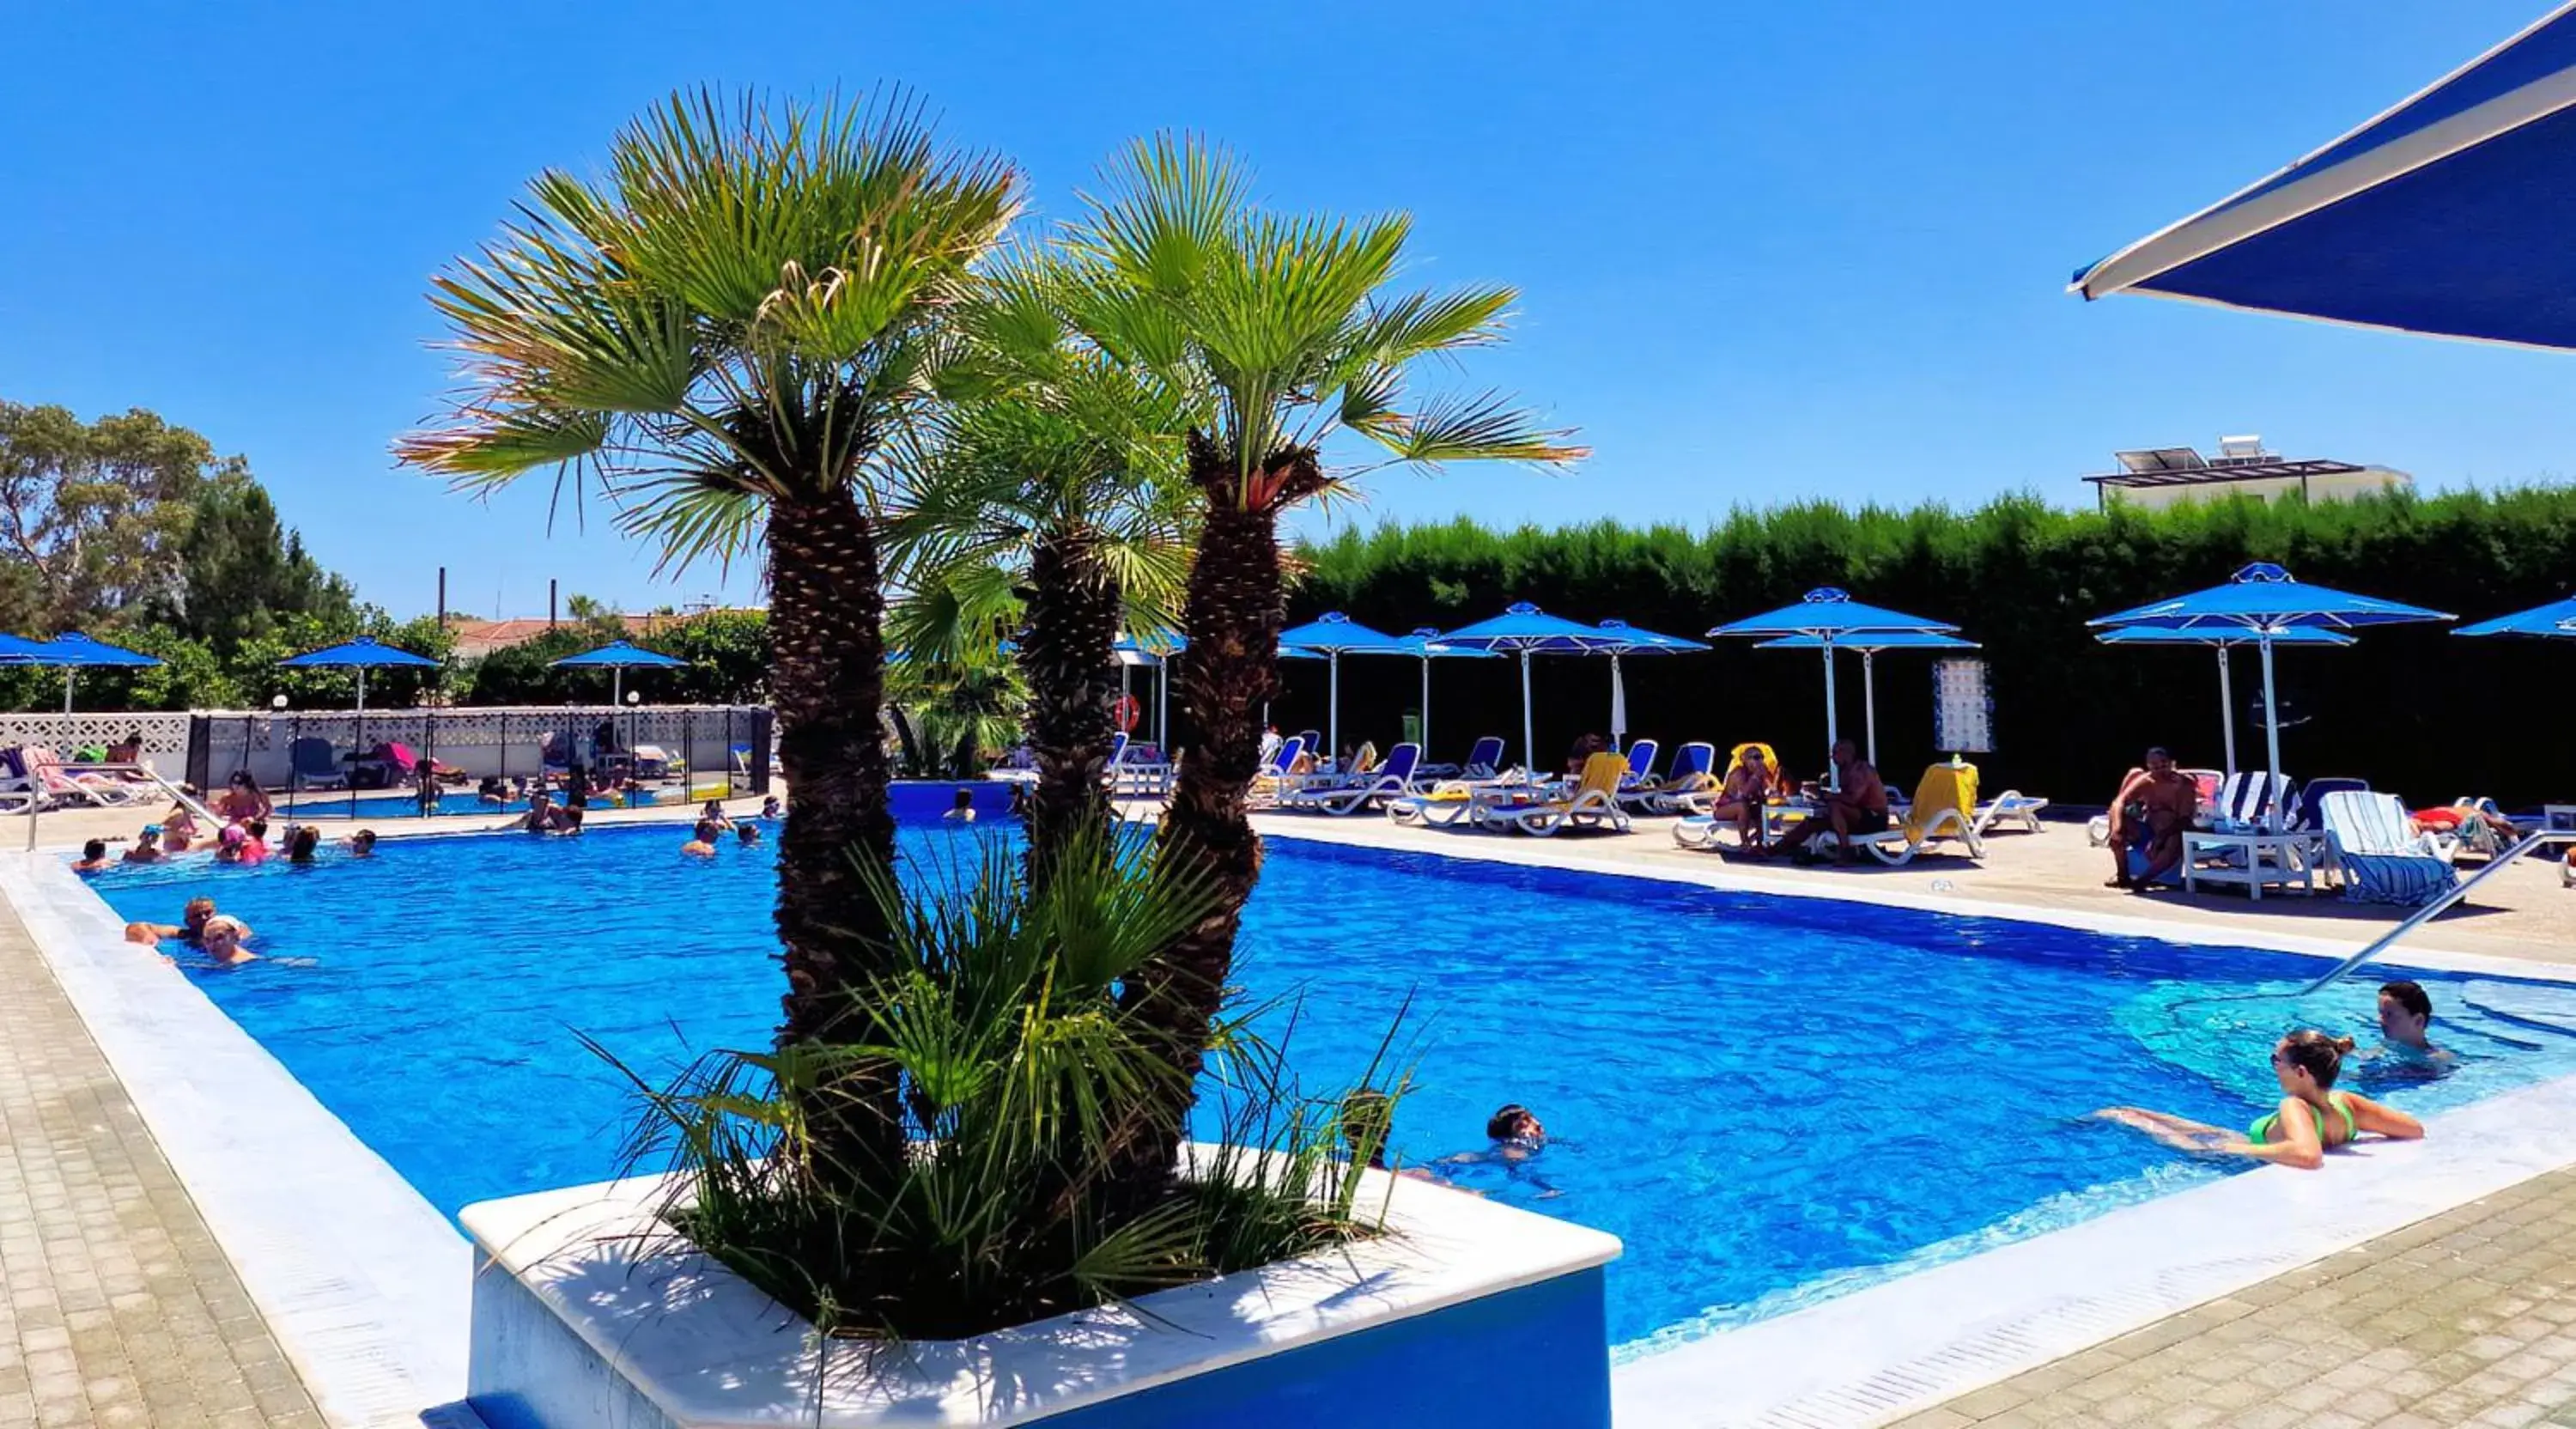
(2311, 1119)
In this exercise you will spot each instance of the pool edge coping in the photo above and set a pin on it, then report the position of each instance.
(363, 1283)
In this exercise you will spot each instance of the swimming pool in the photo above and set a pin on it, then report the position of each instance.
(1770, 1100)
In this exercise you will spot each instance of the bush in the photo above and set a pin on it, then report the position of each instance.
(2407, 708)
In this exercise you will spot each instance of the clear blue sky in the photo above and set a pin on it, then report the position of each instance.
(1766, 251)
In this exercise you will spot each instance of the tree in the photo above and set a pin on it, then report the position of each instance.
(728, 655)
(241, 573)
(1290, 327)
(724, 331)
(1048, 505)
(94, 516)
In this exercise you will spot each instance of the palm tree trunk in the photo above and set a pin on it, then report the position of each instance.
(1066, 652)
(827, 684)
(1234, 612)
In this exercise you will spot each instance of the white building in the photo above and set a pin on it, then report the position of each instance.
(2158, 477)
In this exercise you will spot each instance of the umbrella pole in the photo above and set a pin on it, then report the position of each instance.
(2271, 732)
(2227, 707)
(1833, 734)
(1869, 702)
(1163, 706)
(1426, 709)
(358, 741)
(1618, 708)
(1333, 712)
(1529, 738)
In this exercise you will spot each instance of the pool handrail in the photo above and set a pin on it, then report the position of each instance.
(2425, 914)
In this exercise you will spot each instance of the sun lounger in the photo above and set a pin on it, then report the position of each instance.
(2384, 857)
(2245, 802)
(1689, 775)
(2011, 806)
(1641, 764)
(1942, 801)
(1593, 802)
(314, 764)
(1138, 771)
(1346, 794)
(1272, 777)
(98, 785)
(1484, 761)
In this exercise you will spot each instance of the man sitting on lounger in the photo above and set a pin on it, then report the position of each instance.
(2150, 814)
(1856, 805)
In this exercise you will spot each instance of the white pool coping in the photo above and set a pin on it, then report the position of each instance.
(366, 1284)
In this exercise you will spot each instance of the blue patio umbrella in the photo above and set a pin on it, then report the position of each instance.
(2447, 214)
(2556, 620)
(617, 657)
(2224, 642)
(1830, 617)
(1869, 644)
(2261, 601)
(1637, 642)
(1526, 630)
(1333, 635)
(71, 652)
(357, 656)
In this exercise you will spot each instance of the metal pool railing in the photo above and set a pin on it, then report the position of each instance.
(2425, 914)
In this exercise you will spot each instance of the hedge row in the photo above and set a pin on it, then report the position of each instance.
(2410, 708)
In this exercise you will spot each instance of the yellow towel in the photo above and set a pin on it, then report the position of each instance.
(1944, 786)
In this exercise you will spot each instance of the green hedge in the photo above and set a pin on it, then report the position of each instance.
(2410, 708)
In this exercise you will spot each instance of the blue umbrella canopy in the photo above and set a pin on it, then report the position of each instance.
(17, 650)
(357, 654)
(2448, 214)
(1333, 635)
(619, 655)
(2556, 620)
(1526, 630)
(1830, 613)
(1829, 616)
(71, 648)
(2264, 599)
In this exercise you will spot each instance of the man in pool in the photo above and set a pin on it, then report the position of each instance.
(2150, 814)
(961, 810)
(1856, 805)
(147, 846)
(223, 938)
(190, 929)
(93, 858)
(746, 833)
(1518, 1138)
(362, 844)
(702, 840)
(2405, 1019)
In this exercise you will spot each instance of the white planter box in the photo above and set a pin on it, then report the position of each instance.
(587, 1315)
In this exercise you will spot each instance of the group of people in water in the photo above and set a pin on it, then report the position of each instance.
(707, 834)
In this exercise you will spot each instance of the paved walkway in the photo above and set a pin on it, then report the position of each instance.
(120, 1307)
(2468, 1318)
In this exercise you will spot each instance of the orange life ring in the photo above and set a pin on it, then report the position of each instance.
(1126, 711)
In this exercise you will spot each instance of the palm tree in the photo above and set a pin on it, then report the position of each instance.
(1049, 503)
(723, 331)
(1292, 329)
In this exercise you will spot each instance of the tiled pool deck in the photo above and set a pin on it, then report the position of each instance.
(122, 1309)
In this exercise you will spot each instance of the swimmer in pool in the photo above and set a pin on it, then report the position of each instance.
(1518, 1137)
(302, 842)
(147, 846)
(702, 840)
(746, 833)
(2405, 1017)
(93, 858)
(191, 927)
(223, 939)
(362, 844)
(2311, 1120)
(961, 810)
(714, 814)
(770, 808)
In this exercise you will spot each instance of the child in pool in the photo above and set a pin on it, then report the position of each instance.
(2311, 1120)
(93, 858)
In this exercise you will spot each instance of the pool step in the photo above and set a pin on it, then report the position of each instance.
(2550, 1009)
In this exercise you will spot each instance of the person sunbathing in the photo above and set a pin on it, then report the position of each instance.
(1740, 800)
(2311, 1119)
(2150, 814)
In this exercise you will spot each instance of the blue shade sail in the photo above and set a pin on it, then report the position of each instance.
(619, 655)
(2264, 598)
(360, 654)
(2556, 620)
(1831, 613)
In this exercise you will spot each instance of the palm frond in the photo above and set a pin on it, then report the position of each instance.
(1472, 428)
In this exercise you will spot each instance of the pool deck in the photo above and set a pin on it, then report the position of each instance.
(123, 1309)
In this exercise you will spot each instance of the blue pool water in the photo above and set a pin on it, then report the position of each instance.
(1768, 1099)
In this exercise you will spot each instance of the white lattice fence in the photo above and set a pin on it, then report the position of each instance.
(481, 741)
(165, 736)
